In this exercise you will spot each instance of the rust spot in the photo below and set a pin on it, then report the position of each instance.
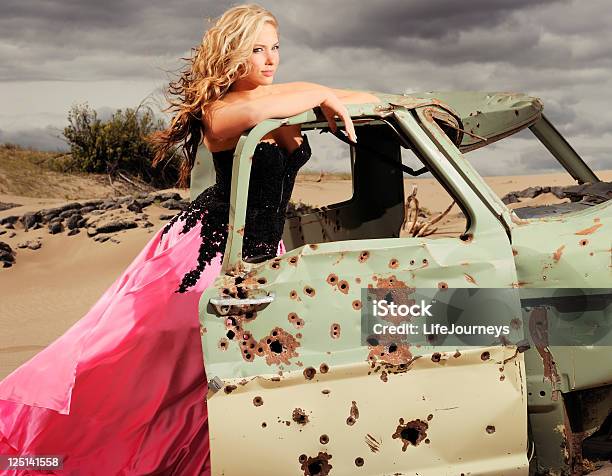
(275, 264)
(442, 285)
(353, 414)
(469, 279)
(558, 253)
(485, 356)
(588, 231)
(332, 279)
(394, 354)
(490, 429)
(514, 252)
(334, 331)
(258, 401)
(436, 356)
(384, 376)
(357, 280)
(429, 417)
(363, 256)
(293, 294)
(309, 291)
(324, 439)
(293, 260)
(278, 347)
(467, 238)
(309, 373)
(583, 242)
(357, 304)
(223, 343)
(343, 286)
(275, 379)
(240, 231)
(516, 323)
(324, 368)
(411, 433)
(262, 280)
(502, 378)
(316, 465)
(390, 282)
(393, 263)
(299, 416)
(359, 462)
(372, 443)
(325, 391)
(313, 247)
(299, 334)
(229, 389)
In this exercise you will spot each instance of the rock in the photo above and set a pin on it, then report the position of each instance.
(101, 238)
(8, 206)
(74, 231)
(163, 196)
(12, 234)
(97, 212)
(68, 213)
(9, 220)
(134, 206)
(55, 220)
(91, 232)
(2, 232)
(93, 203)
(147, 224)
(57, 210)
(530, 192)
(166, 217)
(36, 226)
(9, 226)
(31, 244)
(55, 228)
(82, 222)
(88, 209)
(116, 225)
(7, 255)
(30, 219)
(510, 198)
(173, 204)
(73, 221)
(109, 205)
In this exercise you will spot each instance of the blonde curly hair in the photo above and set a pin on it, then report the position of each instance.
(221, 59)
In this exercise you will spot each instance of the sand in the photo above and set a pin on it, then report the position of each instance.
(49, 289)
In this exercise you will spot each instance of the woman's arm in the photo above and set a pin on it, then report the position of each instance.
(225, 120)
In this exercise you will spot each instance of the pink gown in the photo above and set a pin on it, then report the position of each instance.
(123, 391)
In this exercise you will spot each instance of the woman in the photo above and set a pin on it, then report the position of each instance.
(123, 392)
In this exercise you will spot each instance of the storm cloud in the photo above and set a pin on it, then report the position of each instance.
(117, 53)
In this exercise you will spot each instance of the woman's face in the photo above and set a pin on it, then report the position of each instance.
(264, 58)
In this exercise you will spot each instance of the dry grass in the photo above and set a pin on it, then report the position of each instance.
(32, 173)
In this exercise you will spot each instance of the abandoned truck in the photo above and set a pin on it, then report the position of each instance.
(294, 388)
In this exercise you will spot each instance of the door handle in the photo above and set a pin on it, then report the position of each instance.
(223, 304)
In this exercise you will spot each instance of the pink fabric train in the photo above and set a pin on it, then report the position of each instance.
(123, 391)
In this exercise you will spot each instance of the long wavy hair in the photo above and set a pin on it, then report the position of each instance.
(221, 59)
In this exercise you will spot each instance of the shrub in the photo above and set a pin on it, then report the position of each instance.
(117, 145)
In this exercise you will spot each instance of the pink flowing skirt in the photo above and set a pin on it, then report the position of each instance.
(123, 391)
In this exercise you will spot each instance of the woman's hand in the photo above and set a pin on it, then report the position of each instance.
(332, 107)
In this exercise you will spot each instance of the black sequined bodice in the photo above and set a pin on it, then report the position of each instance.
(273, 174)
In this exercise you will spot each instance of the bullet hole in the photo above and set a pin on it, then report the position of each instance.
(293, 294)
(436, 356)
(583, 242)
(262, 280)
(427, 441)
(457, 354)
(229, 389)
(309, 373)
(442, 285)
(343, 286)
(359, 462)
(275, 379)
(291, 317)
(490, 429)
(429, 417)
(332, 279)
(275, 265)
(250, 315)
(324, 439)
(293, 260)
(412, 262)
(353, 414)
(230, 334)
(502, 378)
(363, 256)
(384, 376)
(357, 304)
(323, 368)
(514, 252)
(313, 247)
(485, 355)
(411, 433)
(310, 292)
(325, 392)
(393, 263)
(317, 465)
(258, 401)
(299, 416)
(516, 113)
(466, 238)
(425, 262)
(223, 344)
(302, 458)
(276, 347)
(264, 424)
(392, 347)
(334, 331)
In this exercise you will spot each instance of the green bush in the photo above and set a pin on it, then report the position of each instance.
(117, 145)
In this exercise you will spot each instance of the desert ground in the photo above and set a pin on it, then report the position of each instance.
(56, 278)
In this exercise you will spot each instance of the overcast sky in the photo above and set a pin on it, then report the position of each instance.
(115, 54)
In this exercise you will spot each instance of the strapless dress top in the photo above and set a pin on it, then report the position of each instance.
(271, 183)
